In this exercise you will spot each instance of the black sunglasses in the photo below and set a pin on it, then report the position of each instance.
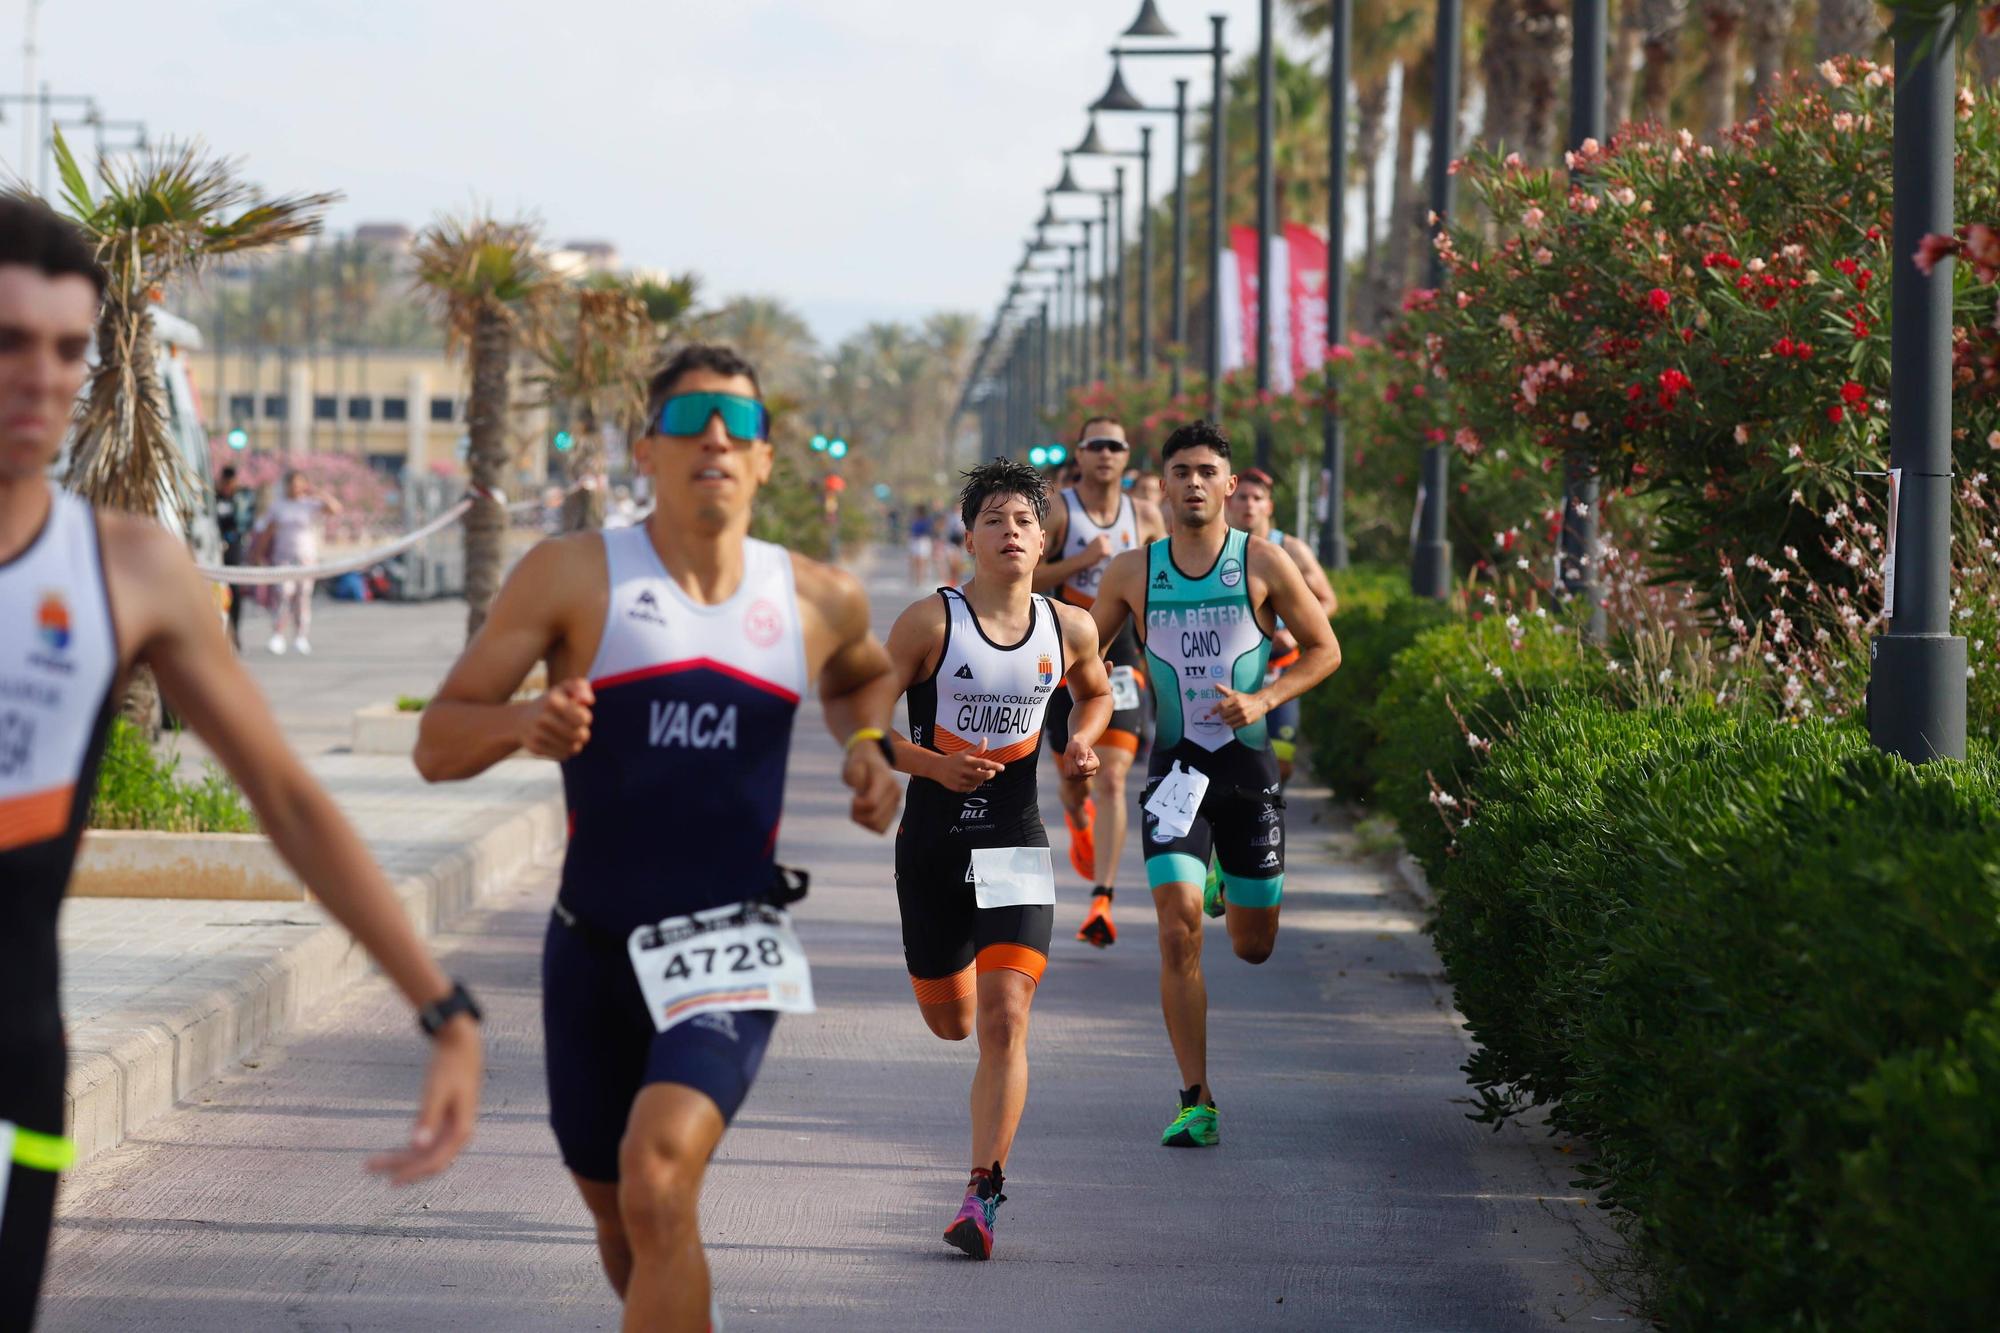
(1103, 444)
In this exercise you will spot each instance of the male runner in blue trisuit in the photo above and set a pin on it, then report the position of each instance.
(679, 649)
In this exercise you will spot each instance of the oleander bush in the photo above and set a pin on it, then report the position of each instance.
(1377, 618)
(138, 789)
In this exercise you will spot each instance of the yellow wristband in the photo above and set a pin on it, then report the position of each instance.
(866, 734)
(42, 1152)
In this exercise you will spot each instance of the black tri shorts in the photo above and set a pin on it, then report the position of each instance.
(603, 1048)
(1241, 823)
(1130, 728)
(947, 936)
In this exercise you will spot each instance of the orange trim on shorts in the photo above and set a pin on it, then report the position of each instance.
(944, 990)
(1013, 958)
(1116, 738)
(35, 817)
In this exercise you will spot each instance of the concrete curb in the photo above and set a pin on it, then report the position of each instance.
(114, 1091)
(1411, 871)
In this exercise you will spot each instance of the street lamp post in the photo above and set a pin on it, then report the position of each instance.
(1916, 684)
(1118, 250)
(1107, 290)
(1430, 562)
(1119, 98)
(1267, 213)
(1333, 447)
(1143, 363)
(1149, 24)
(1577, 558)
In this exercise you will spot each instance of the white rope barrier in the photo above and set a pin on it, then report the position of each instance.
(263, 575)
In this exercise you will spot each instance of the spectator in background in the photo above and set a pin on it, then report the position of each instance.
(293, 524)
(922, 540)
(235, 511)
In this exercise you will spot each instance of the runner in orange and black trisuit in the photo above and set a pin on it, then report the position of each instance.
(973, 879)
(1095, 521)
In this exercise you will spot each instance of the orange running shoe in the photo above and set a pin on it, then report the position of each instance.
(1083, 840)
(1097, 927)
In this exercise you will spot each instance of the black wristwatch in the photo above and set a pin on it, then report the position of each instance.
(433, 1016)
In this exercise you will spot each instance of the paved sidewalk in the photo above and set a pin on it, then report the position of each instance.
(1350, 1191)
(162, 996)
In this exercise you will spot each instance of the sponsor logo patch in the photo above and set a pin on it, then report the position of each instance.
(52, 622)
(964, 671)
(762, 624)
(647, 608)
(1232, 572)
(1162, 580)
(1270, 860)
(1045, 670)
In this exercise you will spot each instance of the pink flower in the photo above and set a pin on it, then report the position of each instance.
(1743, 435)
(1581, 421)
(1544, 255)
(1532, 218)
(1624, 196)
(1340, 352)
(1830, 71)
(1933, 249)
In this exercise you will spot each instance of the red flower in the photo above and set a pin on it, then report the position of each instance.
(1783, 347)
(1634, 393)
(1658, 300)
(1835, 413)
(1717, 259)
(1852, 393)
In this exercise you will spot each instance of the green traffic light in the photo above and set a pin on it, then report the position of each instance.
(564, 440)
(837, 448)
(1038, 456)
(239, 438)
(1057, 453)
(819, 444)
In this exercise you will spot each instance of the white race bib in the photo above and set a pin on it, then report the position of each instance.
(1124, 689)
(1012, 877)
(726, 958)
(1175, 801)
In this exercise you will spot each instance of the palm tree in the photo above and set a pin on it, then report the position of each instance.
(1660, 24)
(1847, 28)
(1770, 27)
(491, 279)
(594, 363)
(771, 336)
(162, 217)
(1524, 59)
(1723, 20)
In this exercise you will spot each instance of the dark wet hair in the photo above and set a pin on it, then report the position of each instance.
(33, 234)
(1002, 476)
(712, 357)
(1202, 434)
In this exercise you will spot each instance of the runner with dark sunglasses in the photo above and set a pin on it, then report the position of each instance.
(680, 650)
(1095, 521)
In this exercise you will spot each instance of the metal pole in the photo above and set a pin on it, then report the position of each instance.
(1333, 447)
(1218, 169)
(1090, 366)
(1578, 558)
(1178, 333)
(1430, 562)
(1143, 366)
(1916, 686)
(1079, 341)
(1042, 397)
(1267, 217)
(1107, 349)
(1118, 342)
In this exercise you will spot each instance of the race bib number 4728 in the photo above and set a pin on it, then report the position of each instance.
(727, 958)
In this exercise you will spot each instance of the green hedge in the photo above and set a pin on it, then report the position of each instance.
(1377, 618)
(1754, 965)
(137, 789)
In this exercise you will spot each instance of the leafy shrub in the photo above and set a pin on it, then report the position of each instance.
(1378, 617)
(1448, 694)
(411, 703)
(1753, 963)
(136, 789)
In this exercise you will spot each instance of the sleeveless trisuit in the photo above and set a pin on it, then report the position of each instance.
(1130, 728)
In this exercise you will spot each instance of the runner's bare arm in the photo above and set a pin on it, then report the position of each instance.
(473, 722)
(1053, 571)
(1319, 652)
(166, 620)
(1315, 576)
(857, 684)
(1116, 591)
(1089, 683)
(916, 642)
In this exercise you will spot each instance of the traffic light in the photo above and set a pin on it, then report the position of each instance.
(836, 448)
(819, 444)
(563, 441)
(239, 438)
(1057, 454)
(1038, 456)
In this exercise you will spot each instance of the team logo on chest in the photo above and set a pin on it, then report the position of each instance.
(762, 624)
(647, 608)
(1045, 670)
(52, 622)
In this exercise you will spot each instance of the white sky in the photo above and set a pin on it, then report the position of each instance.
(859, 158)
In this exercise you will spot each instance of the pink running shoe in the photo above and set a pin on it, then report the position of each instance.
(972, 1229)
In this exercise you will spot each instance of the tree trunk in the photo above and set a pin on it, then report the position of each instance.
(1769, 23)
(1724, 21)
(492, 351)
(1662, 21)
(1371, 120)
(1846, 28)
(1525, 65)
(1622, 73)
(583, 503)
(1405, 201)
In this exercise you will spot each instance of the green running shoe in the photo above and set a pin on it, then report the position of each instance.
(1195, 1126)
(1212, 901)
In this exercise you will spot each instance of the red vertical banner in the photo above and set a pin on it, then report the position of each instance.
(1308, 274)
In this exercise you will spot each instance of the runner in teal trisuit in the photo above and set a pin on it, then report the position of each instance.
(1207, 600)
